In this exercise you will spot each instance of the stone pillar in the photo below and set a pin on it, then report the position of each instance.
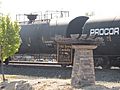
(83, 67)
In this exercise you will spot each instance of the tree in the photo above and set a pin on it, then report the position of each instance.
(9, 38)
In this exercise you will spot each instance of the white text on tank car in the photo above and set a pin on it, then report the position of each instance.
(105, 31)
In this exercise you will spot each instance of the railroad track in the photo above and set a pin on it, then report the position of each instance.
(39, 63)
(42, 71)
(52, 71)
(34, 62)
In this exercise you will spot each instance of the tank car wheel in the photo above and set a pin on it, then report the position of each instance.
(106, 63)
(63, 66)
(106, 67)
(6, 62)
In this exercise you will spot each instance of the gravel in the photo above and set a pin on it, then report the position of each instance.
(58, 78)
(39, 71)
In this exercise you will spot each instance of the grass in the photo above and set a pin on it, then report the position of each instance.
(8, 77)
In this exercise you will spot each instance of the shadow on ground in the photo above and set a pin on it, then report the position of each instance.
(112, 75)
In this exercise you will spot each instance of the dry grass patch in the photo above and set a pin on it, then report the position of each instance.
(108, 84)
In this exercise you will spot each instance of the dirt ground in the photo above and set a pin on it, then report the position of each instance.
(53, 84)
(63, 84)
(58, 84)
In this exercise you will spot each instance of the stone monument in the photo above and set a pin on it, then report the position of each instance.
(83, 67)
(83, 73)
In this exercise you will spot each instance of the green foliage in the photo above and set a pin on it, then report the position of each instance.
(9, 37)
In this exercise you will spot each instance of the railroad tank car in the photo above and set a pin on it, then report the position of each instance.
(38, 38)
(107, 29)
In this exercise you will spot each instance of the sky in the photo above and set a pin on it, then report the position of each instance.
(76, 7)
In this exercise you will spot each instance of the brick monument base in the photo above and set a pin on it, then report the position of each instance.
(83, 67)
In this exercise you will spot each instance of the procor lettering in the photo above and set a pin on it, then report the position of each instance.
(105, 31)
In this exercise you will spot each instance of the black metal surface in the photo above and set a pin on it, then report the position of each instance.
(111, 43)
(76, 26)
(35, 36)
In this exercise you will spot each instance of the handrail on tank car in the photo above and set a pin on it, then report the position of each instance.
(43, 17)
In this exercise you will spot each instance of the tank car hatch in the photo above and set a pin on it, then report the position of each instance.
(31, 17)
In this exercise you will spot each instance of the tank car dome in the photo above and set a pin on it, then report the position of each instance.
(75, 27)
